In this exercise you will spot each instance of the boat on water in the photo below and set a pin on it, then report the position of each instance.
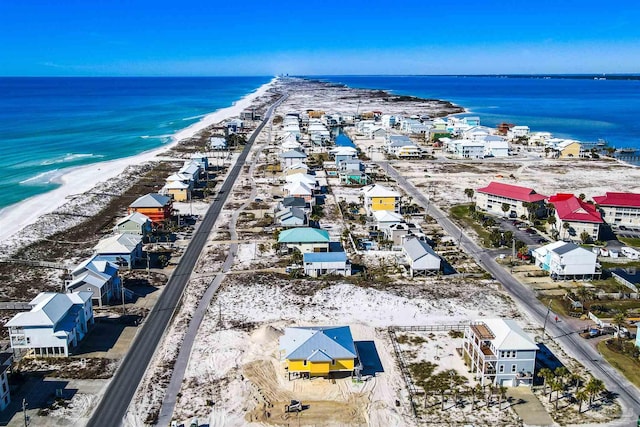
(626, 150)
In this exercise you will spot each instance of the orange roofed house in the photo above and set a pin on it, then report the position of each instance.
(156, 206)
(579, 216)
(519, 199)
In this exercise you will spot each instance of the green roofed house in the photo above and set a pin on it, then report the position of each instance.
(305, 239)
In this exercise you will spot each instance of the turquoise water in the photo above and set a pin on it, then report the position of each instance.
(49, 124)
(580, 108)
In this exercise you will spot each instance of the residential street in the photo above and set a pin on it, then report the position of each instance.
(569, 339)
(115, 402)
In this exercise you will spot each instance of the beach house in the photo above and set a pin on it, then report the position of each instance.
(191, 168)
(291, 157)
(98, 276)
(290, 217)
(121, 249)
(134, 223)
(318, 350)
(6, 360)
(217, 143)
(318, 264)
(421, 259)
(395, 142)
(522, 201)
(54, 326)
(179, 191)
(620, 208)
(377, 197)
(567, 261)
(155, 206)
(574, 217)
(499, 352)
(304, 239)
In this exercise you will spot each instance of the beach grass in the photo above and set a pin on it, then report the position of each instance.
(628, 366)
(462, 214)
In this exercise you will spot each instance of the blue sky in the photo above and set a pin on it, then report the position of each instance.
(116, 37)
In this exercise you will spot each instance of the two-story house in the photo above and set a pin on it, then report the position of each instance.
(54, 326)
(155, 206)
(98, 276)
(499, 352)
(380, 198)
(567, 261)
(318, 351)
(305, 239)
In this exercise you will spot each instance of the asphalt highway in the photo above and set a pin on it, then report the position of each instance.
(115, 402)
(569, 339)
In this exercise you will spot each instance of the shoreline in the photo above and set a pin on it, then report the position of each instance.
(77, 180)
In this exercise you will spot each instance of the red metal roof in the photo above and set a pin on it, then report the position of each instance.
(570, 208)
(618, 199)
(512, 192)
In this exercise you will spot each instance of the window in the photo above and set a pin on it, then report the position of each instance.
(501, 369)
(513, 369)
(304, 363)
(333, 362)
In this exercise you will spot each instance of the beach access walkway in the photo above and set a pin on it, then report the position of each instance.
(114, 404)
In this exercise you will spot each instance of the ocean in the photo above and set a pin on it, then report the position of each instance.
(580, 108)
(50, 124)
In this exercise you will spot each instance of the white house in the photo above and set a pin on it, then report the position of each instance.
(98, 276)
(192, 169)
(519, 132)
(422, 260)
(495, 146)
(466, 148)
(55, 324)
(291, 157)
(299, 189)
(499, 352)
(291, 217)
(395, 142)
(565, 260)
(217, 143)
(321, 263)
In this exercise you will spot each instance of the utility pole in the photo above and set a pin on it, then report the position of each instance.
(544, 326)
(124, 309)
(24, 412)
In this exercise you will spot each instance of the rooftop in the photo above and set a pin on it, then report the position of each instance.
(514, 192)
(618, 199)
(570, 208)
(151, 200)
(318, 343)
(303, 235)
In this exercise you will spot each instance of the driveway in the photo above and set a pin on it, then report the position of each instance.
(528, 407)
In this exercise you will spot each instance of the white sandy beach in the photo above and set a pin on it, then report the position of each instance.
(81, 179)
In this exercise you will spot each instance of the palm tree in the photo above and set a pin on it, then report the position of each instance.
(547, 375)
(556, 386)
(561, 373)
(620, 320)
(577, 381)
(584, 294)
(505, 208)
(566, 227)
(593, 388)
(469, 193)
(585, 237)
(581, 396)
(473, 392)
(502, 393)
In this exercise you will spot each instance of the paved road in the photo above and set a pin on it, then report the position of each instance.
(113, 405)
(180, 367)
(570, 341)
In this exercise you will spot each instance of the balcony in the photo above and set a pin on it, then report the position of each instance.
(18, 340)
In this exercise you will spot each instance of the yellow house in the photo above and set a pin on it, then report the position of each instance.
(180, 191)
(380, 198)
(318, 351)
(569, 149)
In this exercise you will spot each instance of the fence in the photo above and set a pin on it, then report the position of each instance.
(404, 368)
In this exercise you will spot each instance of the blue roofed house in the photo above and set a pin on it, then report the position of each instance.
(318, 351)
(121, 249)
(305, 239)
(55, 324)
(317, 264)
(98, 276)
